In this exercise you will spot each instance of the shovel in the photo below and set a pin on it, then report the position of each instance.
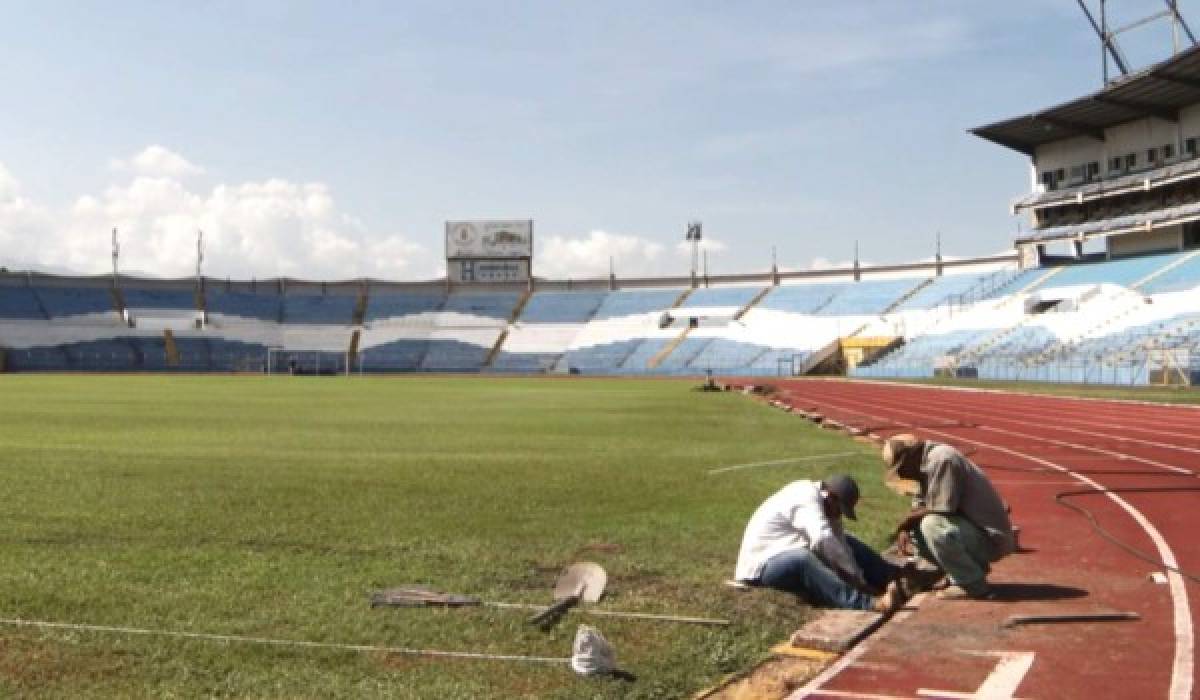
(415, 596)
(583, 580)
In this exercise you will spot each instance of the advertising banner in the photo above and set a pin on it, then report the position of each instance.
(489, 239)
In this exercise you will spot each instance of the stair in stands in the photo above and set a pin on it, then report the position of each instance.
(519, 308)
(170, 348)
(911, 293)
(670, 348)
(118, 300)
(820, 356)
(360, 310)
(495, 351)
(352, 352)
(752, 303)
(1163, 270)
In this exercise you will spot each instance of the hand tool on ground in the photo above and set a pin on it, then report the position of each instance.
(583, 580)
(416, 596)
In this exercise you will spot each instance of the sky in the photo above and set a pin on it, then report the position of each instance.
(333, 140)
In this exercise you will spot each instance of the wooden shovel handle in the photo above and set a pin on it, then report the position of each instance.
(555, 611)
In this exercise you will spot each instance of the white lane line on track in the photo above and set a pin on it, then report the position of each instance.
(1124, 456)
(1182, 667)
(1109, 436)
(789, 460)
(849, 658)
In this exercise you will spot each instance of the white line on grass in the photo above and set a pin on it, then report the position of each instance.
(789, 460)
(17, 622)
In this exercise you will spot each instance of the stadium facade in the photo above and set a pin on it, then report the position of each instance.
(1103, 287)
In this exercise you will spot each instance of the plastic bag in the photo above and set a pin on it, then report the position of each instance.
(592, 654)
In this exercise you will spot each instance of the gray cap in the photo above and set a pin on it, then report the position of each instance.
(846, 489)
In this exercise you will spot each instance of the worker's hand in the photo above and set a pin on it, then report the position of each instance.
(904, 544)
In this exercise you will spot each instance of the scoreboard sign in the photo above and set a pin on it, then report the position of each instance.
(489, 251)
(489, 239)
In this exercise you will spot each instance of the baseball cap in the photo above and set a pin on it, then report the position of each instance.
(846, 489)
(895, 447)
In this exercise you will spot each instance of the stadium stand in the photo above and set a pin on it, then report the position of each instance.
(20, 303)
(496, 305)
(324, 309)
(1084, 321)
(246, 305)
(864, 298)
(168, 299)
(634, 302)
(562, 307)
(65, 302)
(389, 306)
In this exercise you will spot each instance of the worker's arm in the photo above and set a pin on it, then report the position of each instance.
(912, 520)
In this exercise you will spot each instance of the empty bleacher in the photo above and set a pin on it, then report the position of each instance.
(64, 302)
(800, 298)
(562, 307)
(322, 309)
(634, 302)
(165, 299)
(20, 303)
(496, 305)
(52, 324)
(385, 306)
(246, 305)
(865, 298)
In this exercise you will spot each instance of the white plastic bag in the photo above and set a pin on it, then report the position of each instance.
(592, 654)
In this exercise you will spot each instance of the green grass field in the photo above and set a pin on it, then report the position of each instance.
(270, 507)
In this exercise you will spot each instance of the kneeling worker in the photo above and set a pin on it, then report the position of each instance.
(959, 522)
(795, 542)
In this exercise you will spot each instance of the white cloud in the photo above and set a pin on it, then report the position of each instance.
(562, 257)
(251, 229)
(709, 244)
(156, 160)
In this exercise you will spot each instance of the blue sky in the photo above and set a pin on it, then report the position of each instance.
(328, 140)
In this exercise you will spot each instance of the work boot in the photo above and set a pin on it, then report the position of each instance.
(893, 599)
(957, 592)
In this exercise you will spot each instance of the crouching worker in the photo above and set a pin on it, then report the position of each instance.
(958, 521)
(795, 542)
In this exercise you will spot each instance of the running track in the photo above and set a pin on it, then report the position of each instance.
(1035, 447)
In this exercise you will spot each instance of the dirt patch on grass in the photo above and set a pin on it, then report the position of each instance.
(774, 678)
(30, 663)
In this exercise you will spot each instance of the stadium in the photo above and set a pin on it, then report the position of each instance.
(215, 483)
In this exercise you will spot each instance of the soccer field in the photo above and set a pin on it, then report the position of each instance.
(271, 506)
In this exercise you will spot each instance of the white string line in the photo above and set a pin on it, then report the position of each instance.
(781, 461)
(18, 622)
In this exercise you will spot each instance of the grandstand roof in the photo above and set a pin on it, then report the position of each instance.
(1158, 91)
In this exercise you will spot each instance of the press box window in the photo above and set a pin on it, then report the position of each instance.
(1168, 151)
(1189, 147)
(1130, 161)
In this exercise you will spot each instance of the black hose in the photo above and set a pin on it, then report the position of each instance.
(1060, 498)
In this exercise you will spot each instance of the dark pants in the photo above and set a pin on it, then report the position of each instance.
(801, 572)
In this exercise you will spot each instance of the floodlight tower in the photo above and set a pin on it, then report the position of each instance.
(694, 236)
(116, 254)
(1110, 48)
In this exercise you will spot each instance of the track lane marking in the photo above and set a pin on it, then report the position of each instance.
(1182, 669)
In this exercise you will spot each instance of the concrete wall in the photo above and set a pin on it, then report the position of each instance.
(1170, 238)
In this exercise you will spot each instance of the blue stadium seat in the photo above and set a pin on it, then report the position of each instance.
(389, 305)
(20, 303)
(636, 301)
(562, 307)
(62, 302)
(325, 309)
(264, 307)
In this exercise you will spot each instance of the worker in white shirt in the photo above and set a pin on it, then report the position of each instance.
(795, 542)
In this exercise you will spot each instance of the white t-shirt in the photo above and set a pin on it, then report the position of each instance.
(794, 518)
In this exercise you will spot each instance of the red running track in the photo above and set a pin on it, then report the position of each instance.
(1034, 448)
